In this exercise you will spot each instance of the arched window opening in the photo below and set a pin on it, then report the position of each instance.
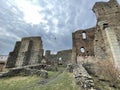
(84, 35)
(82, 50)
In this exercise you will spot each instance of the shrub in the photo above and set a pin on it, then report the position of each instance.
(108, 71)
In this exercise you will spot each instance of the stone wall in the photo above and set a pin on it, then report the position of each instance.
(26, 71)
(108, 12)
(117, 32)
(11, 61)
(65, 56)
(107, 36)
(50, 58)
(2, 66)
(83, 43)
(28, 51)
(82, 78)
(99, 44)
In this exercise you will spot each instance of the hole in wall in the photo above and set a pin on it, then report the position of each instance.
(82, 50)
(105, 25)
(96, 40)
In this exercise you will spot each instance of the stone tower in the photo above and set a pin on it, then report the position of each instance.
(106, 41)
(29, 52)
(107, 37)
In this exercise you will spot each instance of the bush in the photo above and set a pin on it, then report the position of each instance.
(108, 71)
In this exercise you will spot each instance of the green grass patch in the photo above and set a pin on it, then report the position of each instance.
(17, 83)
(62, 81)
(52, 74)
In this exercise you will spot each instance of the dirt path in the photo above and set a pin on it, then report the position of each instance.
(51, 79)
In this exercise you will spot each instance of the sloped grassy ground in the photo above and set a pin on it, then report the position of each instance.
(61, 81)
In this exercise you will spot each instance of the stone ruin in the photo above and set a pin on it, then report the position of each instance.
(27, 59)
(83, 44)
(28, 51)
(83, 78)
(62, 57)
(98, 43)
(103, 41)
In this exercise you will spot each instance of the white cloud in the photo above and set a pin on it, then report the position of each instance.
(55, 21)
(31, 11)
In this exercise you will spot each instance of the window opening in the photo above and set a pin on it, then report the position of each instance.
(82, 49)
(84, 35)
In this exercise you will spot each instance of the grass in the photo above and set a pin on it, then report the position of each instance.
(62, 81)
(17, 83)
(52, 74)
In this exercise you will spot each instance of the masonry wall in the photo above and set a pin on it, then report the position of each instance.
(36, 51)
(83, 43)
(86, 43)
(26, 52)
(13, 56)
(30, 52)
(2, 65)
(117, 31)
(65, 56)
(108, 12)
(99, 44)
(50, 58)
(107, 36)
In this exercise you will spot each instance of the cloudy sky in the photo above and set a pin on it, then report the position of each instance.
(53, 20)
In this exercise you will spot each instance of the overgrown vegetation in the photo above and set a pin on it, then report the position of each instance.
(61, 81)
(108, 76)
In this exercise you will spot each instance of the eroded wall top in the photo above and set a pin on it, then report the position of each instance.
(108, 12)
